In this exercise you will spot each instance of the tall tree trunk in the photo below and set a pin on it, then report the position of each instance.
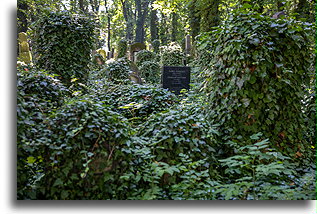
(163, 30)
(153, 25)
(194, 19)
(174, 27)
(142, 10)
(128, 17)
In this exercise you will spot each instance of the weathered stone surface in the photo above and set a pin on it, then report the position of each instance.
(24, 48)
(134, 48)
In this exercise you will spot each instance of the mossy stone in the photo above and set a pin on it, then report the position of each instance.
(24, 47)
(25, 57)
(22, 37)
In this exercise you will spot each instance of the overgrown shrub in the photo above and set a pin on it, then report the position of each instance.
(175, 157)
(117, 70)
(82, 158)
(144, 56)
(38, 94)
(63, 43)
(172, 55)
(254, 171)
(32, 82)
(256, 71)
(150, 72)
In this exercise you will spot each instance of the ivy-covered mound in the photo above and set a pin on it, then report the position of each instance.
(135, 102)
(256, 69)
(90, 151)
(151, 72)
(144, 56)
(117, 70)
(174, 157)
(39, 93)
(122, 48)
(149, 68)
(172, 55)
(63, 43)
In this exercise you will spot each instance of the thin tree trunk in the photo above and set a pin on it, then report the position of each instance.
(163, 30)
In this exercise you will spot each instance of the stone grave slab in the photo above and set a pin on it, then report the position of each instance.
(176, 78)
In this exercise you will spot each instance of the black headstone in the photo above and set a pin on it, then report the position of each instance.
(176, 78)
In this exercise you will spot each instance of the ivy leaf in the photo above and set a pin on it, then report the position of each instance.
(255, 41)
(246, 102)
(31, 160)
(256, 136)
(58, 182)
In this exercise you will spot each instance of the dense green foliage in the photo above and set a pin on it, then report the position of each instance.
(136, 102)
(259, 172)
(165, 21)
(255, 82)
(116, 70)
(144, 56)
(93, 138)
(38, 94)
(122, 48)
(150, 72)
(244, 131)
(63, 43)
(140, 142)
(172, 55)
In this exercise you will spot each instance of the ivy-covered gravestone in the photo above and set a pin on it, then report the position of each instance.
(256, 70)
(63, 44)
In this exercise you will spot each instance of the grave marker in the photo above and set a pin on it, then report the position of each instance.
(134, 48)
(176, 78)
(188, 45)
